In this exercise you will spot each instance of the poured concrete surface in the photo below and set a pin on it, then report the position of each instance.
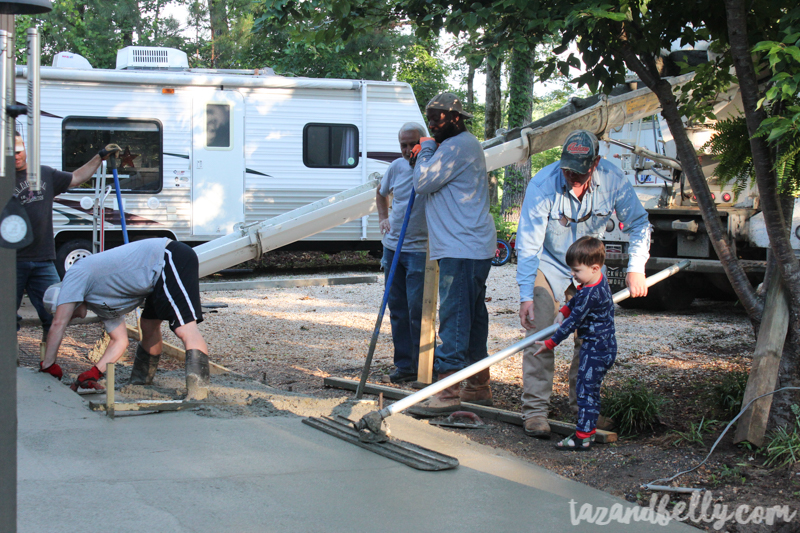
(180, 472)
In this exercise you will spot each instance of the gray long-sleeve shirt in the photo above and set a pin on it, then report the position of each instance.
(398, 181)
(453, 178)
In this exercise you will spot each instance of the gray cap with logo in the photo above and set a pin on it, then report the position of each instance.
(447, 102)
(579, 151)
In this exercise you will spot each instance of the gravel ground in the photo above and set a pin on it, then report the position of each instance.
(289, 339)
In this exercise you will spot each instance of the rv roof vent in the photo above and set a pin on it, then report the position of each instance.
(70, 60)
(151, 57)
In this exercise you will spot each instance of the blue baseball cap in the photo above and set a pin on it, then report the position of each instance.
(579, 151)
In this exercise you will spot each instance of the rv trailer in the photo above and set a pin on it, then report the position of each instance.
(205, 150)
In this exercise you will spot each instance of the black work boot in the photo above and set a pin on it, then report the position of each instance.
(144, 367)
(197, 375)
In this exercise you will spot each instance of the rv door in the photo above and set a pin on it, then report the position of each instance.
(217, 163)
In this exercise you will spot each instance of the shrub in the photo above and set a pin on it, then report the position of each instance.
(729, 393)
(784, 444)
(633, 407)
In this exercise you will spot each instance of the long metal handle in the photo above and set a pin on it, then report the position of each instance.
(389, 280)
(3, 101)
(34, 170)
(483, 364)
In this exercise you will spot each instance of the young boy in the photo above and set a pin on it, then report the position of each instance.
(591, 312)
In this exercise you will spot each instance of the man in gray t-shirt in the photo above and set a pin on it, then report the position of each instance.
(450, 173)
(405, 294)
(159, 273)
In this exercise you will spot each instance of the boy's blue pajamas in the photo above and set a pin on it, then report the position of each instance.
(591, 312)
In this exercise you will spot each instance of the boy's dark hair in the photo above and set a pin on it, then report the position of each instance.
(586, 251)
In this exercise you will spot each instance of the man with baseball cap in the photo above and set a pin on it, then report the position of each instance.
(159, 273)
(35, 268)
(564, 201)
(450, 171)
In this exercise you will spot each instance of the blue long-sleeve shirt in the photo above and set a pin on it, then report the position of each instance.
(591, 312)
(542, 239)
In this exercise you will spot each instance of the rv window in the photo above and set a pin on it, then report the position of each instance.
(218, 125)
(330, 146)
(140, 162)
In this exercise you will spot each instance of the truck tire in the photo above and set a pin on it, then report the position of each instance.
(69, 252)
(672, 294)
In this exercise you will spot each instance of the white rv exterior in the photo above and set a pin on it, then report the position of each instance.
(288, 142)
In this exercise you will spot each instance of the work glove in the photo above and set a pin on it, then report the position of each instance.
(54, 370)
(415, 151)
(88, 380)
(109, 149)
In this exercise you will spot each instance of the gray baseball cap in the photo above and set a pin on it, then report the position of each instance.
(579, 151)
(51, 298)
(447, 102)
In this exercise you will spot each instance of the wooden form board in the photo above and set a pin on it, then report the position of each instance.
(176, 353)
(763, 378)
(111, 406)
(427, 337)
(509, 417)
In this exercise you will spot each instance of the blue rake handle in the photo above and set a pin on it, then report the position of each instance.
(119, 203)
(374, 341)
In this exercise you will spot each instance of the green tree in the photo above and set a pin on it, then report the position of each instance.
(426, 74)
(96, 29)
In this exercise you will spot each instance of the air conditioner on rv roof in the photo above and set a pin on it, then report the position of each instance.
(151, 57)
(70, 60)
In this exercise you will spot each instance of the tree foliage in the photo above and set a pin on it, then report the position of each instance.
(782, 128)
(96, 29)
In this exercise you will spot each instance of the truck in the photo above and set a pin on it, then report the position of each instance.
(206, 149)
(635, 137)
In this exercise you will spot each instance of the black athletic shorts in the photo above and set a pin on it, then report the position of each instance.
(176, 297)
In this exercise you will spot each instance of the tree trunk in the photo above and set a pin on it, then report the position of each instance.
(470, 86)
(775, 209)
(691, 167)
(218, 24)
(493, 118)
(520, 107)
(762, 158)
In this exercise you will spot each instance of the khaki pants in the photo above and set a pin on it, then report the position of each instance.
(537, 372)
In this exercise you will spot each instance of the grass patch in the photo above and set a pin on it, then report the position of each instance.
(633, 407)
(729, 393)
(727, 475)
(695, 434)
(784, 443)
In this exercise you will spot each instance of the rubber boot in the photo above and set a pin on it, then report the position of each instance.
(144, 367)
(477, 389)
(197, 375)
(441, 403)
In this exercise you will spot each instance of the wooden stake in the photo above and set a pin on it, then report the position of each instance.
(766, 364)
(427, 337)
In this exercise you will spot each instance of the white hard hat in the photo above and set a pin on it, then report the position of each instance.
(51, 298)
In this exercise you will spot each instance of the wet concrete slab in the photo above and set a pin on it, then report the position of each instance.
(182, 472)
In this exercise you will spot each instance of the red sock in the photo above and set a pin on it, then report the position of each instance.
(585, 435)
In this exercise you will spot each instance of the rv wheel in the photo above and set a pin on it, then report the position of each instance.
(69, 252)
